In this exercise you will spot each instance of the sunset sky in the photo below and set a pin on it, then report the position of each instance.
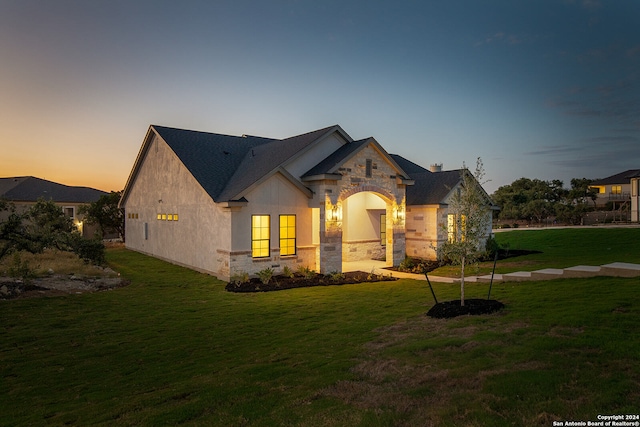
(545, 89)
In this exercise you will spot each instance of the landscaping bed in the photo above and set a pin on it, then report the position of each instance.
(282, 282)
(450, 309)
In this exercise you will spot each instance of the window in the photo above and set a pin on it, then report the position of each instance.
(634, 187)
(452, 227)
(383, 229)
(368, 168)
(287, 234)
(69, 211)
(260, 235)
(616, 189)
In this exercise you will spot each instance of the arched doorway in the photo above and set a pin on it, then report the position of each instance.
(364, 227)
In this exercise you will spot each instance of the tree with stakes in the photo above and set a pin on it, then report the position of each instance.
(471, 213)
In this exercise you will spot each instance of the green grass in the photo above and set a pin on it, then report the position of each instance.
(173, 348)
(560, 248)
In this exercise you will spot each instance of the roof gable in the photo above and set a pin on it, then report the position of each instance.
(335, 160)
(30, 189)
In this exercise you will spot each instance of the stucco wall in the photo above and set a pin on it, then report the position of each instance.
(276, 196)
(163, 185)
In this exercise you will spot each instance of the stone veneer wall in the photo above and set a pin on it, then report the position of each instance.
(362, 250)
(243, 262)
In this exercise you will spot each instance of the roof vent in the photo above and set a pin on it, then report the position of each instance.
(436, 167)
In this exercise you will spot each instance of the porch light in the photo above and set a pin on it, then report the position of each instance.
(335, 214)
(399, 213)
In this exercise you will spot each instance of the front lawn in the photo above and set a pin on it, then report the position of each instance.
(174, 348)
(559, 248)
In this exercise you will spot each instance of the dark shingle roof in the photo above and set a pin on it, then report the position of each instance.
(432, 187)
(336, 158)
(211, 158)
(619, 178)
(30, 189)
(407, 165)
(259, 163)
(226, 165)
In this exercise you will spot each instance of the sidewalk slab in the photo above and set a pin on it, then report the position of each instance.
(621, 269)
(582, 271)
(547, 273)
(518, 276)
(487, 278)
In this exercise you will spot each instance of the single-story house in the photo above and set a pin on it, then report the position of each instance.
(25, 191)
(227, 205)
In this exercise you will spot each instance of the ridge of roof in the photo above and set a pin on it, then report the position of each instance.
(30, 189)
(619, 178)
(211, 158)
(266, 159)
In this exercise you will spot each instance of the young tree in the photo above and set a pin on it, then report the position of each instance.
(471, 211)
(105, 213)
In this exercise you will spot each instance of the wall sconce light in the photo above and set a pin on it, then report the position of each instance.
(335, 213)
(399, 213)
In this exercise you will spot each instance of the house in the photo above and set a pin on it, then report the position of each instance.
(240, 204)
(25, 191)
(615, 188)
(635, 197)
(428, 221)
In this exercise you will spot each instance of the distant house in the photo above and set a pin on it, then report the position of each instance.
(24, 191)
(615, 188)
(234, 204)
(635, 197)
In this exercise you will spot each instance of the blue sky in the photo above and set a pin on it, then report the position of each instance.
(539, 89)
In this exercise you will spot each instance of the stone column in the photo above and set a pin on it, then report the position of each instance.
(330, 238)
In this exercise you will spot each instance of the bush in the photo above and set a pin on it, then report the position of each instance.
(287, 272)
(407, 264)
(265, 275)
(306, 272)
(239, 278)
(90, 250)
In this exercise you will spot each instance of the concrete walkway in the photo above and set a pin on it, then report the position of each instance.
(616, 269)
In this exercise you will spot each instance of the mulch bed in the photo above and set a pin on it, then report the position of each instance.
(474, 307)
(279, 283)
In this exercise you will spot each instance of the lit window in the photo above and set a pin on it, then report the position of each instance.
(136, 216)
(287, 234)
(159, 216)
(164, 217)
(452, 228)
(616, 189)
(170, 217)
(260, 235)
(175, 217)
(383, 229)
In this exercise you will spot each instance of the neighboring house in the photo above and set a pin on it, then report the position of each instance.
(615, 188)
(25, 191)
(635, 197)
(227, 205)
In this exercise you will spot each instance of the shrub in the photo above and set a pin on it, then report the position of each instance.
(306, 272)
(336, 276)
(287, 272)
(265, 275)
(407, 264)
(239, 278)
(20, 268)
(90, 250)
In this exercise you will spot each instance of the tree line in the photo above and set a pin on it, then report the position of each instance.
(535, 200)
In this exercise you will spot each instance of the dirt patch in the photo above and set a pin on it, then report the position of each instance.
(450, 309)
(56, 285)
(280, 282)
